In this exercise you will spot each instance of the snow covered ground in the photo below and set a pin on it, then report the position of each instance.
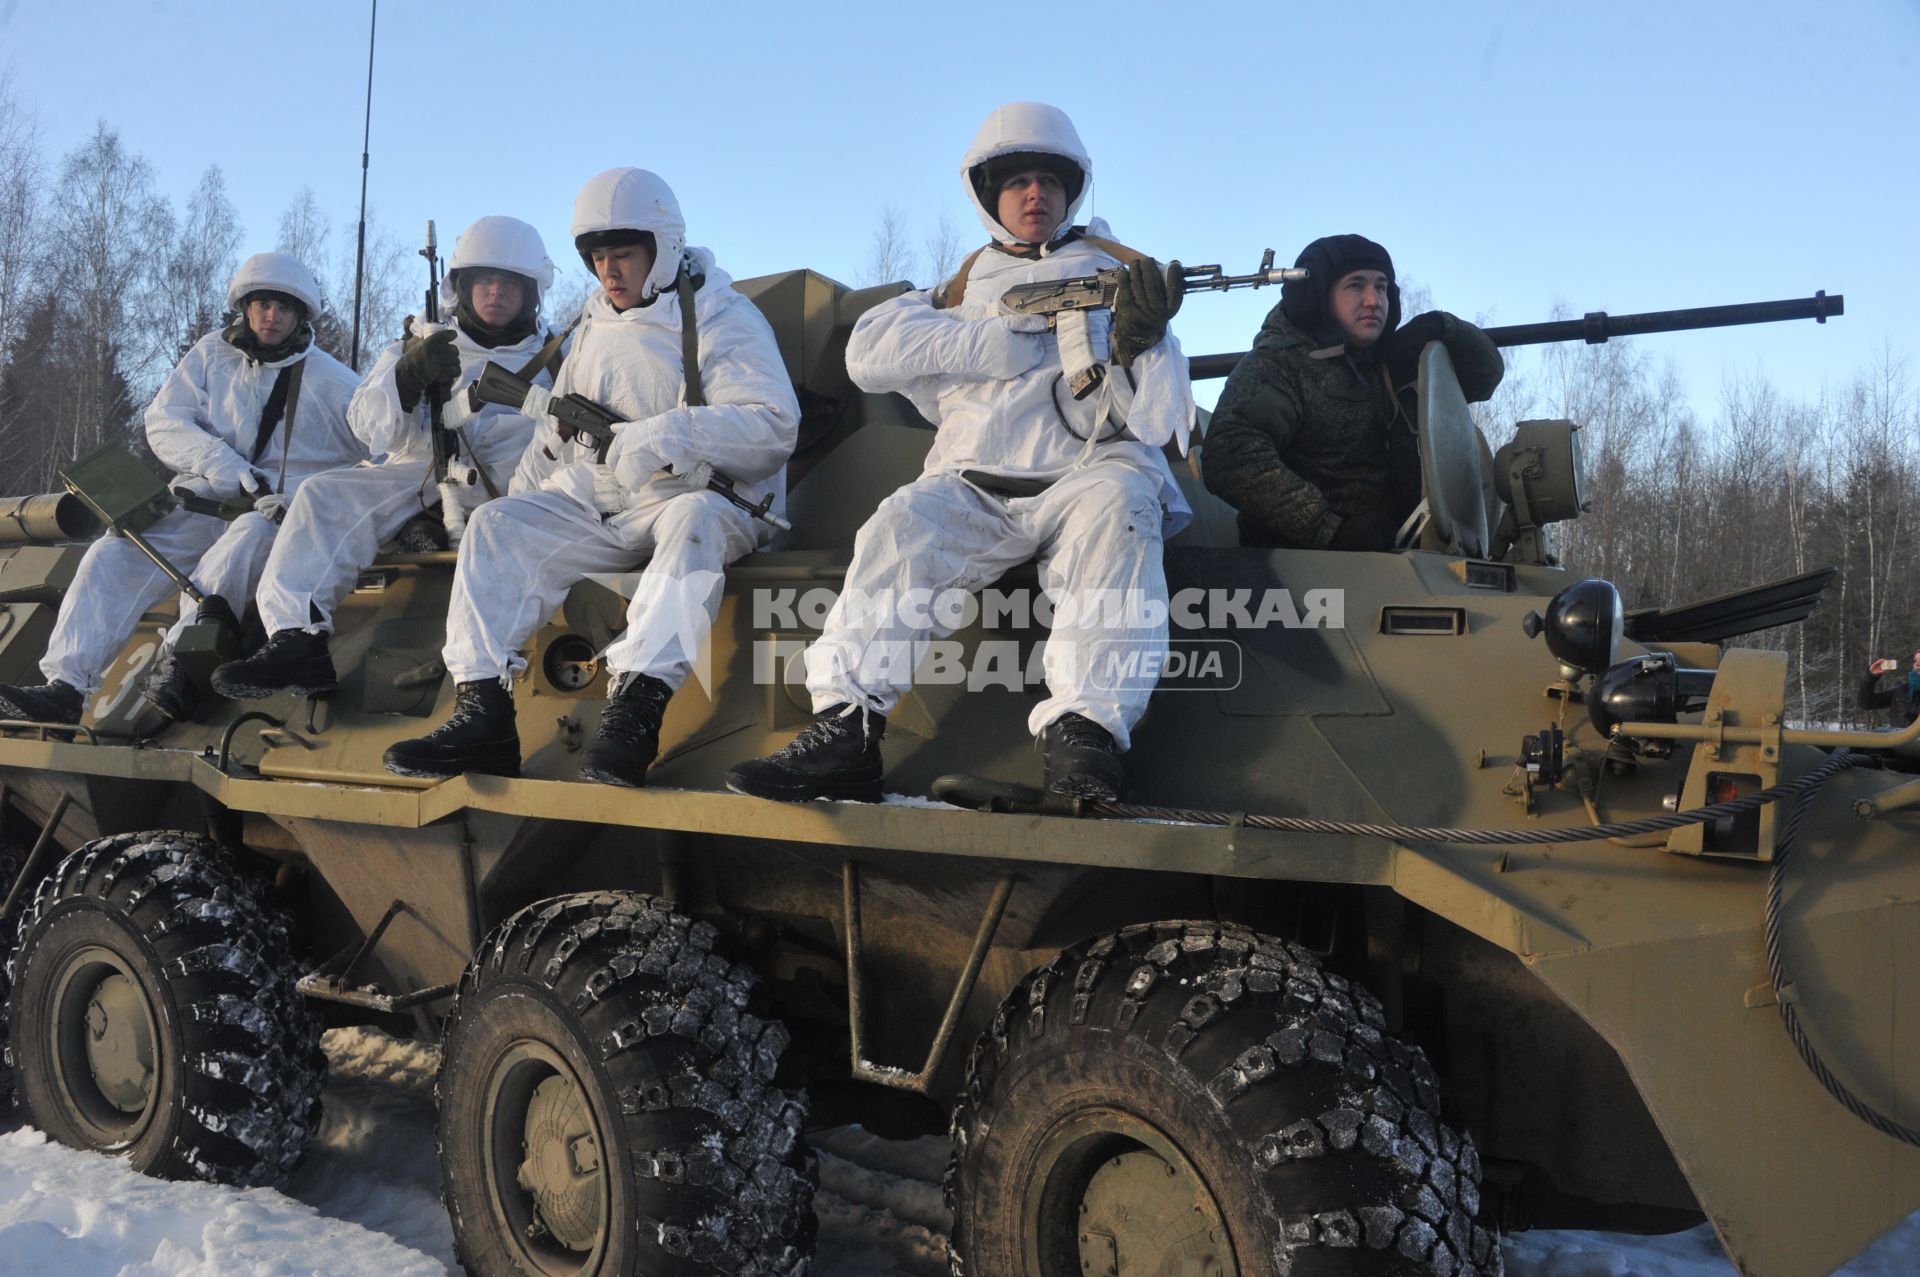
(367, 1204)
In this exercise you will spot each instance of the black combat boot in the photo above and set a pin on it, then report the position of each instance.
(422, 534)
(629, 737)
(54, 702)
(479, 736)
(291, 661)
(837, 756)
(167, 687)
(1081, 759)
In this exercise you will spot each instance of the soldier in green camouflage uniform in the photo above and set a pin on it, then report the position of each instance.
(1314, 439)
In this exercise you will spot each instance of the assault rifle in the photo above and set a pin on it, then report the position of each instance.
(1064, 301)
(576, 415)
(1598, 326)
(443, 444)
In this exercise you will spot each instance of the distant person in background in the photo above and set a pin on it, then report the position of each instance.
(1902, 699)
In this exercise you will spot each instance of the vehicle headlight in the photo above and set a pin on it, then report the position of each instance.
(1584, 623)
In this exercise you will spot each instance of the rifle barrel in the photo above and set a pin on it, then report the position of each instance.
(1598, 326)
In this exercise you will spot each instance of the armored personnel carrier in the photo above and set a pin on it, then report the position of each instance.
(1447, 899)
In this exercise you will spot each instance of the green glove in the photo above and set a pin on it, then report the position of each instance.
(1147, 298)
(433, 362)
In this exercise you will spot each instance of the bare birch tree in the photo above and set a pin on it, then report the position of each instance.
(20, 180)
(189, 294)
(889, 256)
(102, 222)
(942, 250)
(394, 278)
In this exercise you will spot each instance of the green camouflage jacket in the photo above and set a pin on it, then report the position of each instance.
(1306, 434)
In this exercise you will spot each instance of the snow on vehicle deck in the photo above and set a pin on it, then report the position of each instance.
(367, 1203)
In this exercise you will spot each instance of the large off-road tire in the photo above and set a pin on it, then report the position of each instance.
(153, 1013)
(608, 1104)
(1190, 1094)
(13, 858)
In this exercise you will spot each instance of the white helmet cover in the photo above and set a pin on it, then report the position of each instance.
(278, 272)
(632, 199)
(1024, 126)
(502, 243)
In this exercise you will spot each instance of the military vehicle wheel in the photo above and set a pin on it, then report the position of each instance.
(608, 1106)
(1198, 1098)
(13, 856)
(154, 1014)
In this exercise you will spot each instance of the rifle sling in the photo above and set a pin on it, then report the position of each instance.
(284, 398)
(1114, 249)
(948, 295)
(549, 357)
(686, 285)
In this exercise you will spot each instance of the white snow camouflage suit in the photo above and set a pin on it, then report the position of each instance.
(523, 552)
(336, 523)
(1097, 528)
(201, 425)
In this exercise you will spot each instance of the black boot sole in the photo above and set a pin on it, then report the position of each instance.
(609, 763)
(607, 776)
(168, 708)
(19, 713)
(238, 689)
(1096, 787)
(447, 771)
(812, 790)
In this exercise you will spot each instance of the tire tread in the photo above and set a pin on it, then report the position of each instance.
(251, 1067)
(1273, 1018)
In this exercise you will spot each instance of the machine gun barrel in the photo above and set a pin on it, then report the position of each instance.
(1598, 326)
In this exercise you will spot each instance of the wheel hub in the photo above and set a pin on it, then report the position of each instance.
(1142, 1217)
(1113, 1195)
(104, 1031)
(560, 1163)
(119, 1043)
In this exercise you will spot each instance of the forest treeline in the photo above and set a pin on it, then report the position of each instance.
(1683, 509)
(104, 283)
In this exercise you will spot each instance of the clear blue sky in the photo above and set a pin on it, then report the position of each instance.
(1626, 156)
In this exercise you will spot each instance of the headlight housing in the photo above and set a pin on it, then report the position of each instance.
(1583, 625)
(1647, 689)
